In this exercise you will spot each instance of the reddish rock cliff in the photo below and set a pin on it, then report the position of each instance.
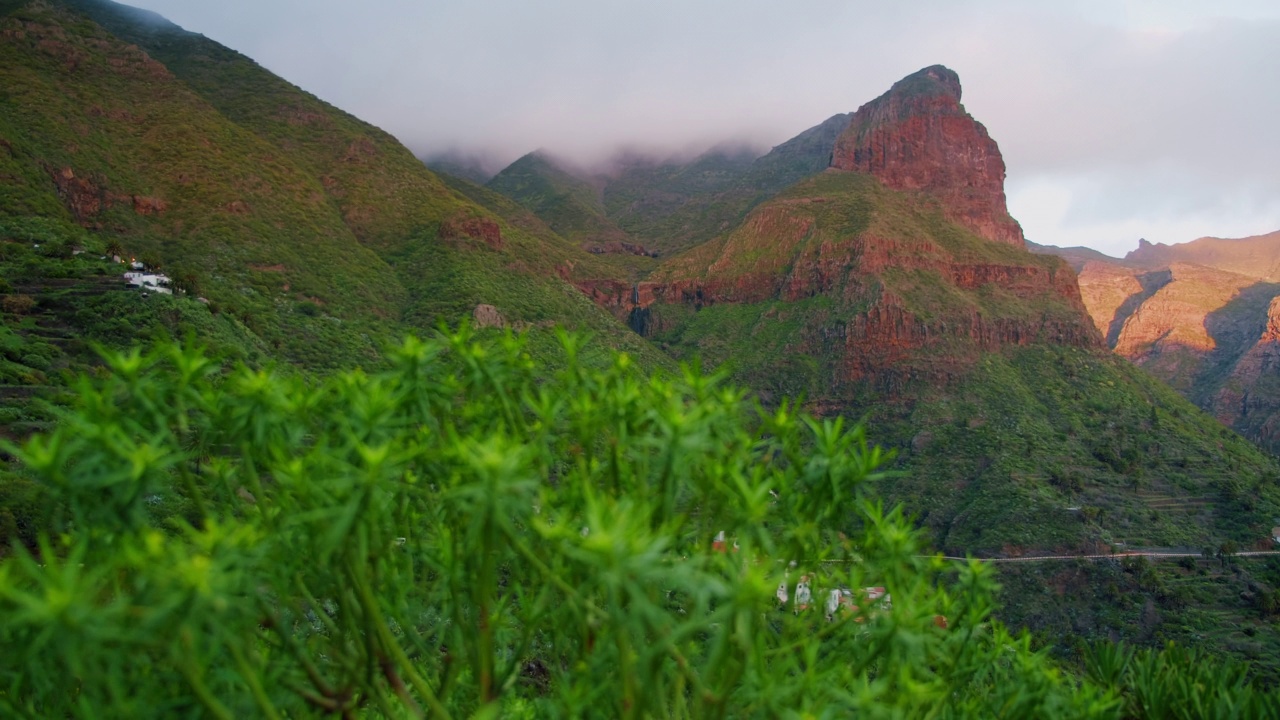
(1272, 332)
(474, 228)
(1106, 288)
(1249, 399)
(918, 137)
(1177, 312)
(87, 198)
(1213, 334)
(873, 288)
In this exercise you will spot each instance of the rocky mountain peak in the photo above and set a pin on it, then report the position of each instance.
(917, 136)
(933, 80)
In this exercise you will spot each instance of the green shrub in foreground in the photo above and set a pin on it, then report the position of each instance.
(457, 537)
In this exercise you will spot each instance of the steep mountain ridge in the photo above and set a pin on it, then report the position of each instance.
(916, 137)
(1077, 257)
(672, 206)
(663, 206)
(1197, 315)
(1257, 256)
(192, 154)
(841, 234)
(911, 265)
(472, 168)
(569, 203)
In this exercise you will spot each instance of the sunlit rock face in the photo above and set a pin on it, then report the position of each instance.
(917, 136)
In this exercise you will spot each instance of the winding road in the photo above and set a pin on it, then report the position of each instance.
(1111, 556)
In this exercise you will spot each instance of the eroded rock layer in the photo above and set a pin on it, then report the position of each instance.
(1204, 317)
(919, 137)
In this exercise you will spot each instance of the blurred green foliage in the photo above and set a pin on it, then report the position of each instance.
(453, 537)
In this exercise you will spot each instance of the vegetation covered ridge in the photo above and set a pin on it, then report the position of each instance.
(320, 232)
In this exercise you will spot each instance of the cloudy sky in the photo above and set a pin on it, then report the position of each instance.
(1118, 119)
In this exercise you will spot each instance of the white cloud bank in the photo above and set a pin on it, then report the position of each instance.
(1118, 119)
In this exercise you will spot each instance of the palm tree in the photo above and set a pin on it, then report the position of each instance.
(185, 282)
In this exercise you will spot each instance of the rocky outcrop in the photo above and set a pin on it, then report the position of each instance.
(918, 137)
(886, 345)
(1249, 399)
(1024, 281)
(86, 198)
(83, 197)
(1271, 333)
(889, 338)
(1108, 289)
(1260, 360)
(833, 267)
(488, 316)
(483, 229)
(1177, 312)
(1144, 314)
(145, 205)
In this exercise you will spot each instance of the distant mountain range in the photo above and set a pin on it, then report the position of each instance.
(663, 205)
(1202, 316)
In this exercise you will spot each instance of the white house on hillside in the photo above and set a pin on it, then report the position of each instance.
(151, 282)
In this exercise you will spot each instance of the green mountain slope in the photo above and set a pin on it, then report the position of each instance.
(1016, 432)
(315, 237)
(620, 261)
(977, 359)
(1016, 429)
(310, 236)
(319, 231)
(569, 203)
(674, 206)
(669, 205)
(666, 206)
(99, 134)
